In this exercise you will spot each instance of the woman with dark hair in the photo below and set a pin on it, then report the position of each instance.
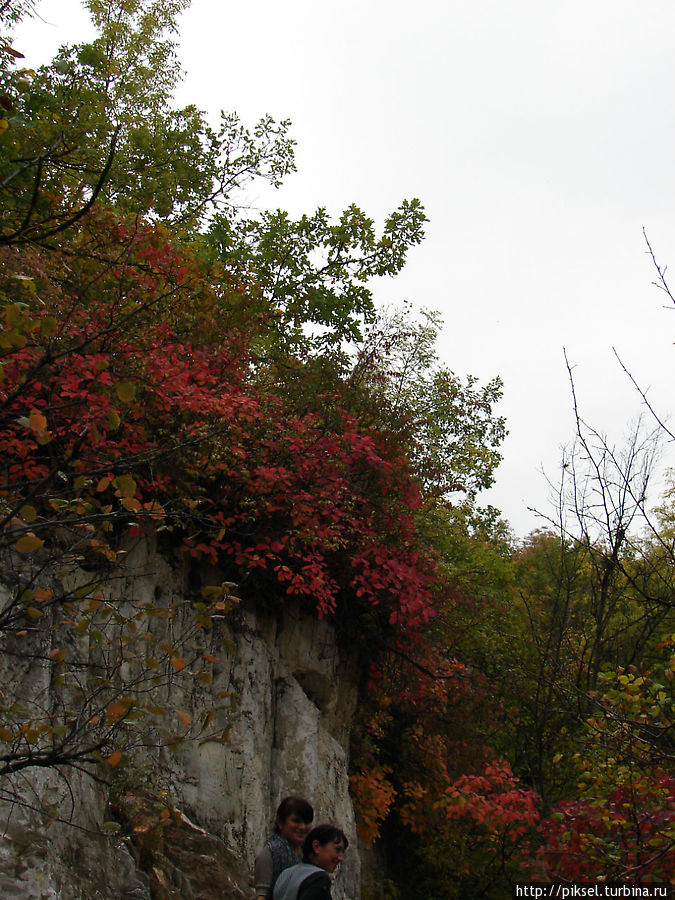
(284, 847)
(323, 850)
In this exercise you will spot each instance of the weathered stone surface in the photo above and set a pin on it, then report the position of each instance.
(40, 860)
(194, 865)
(293, 696)
(295, 701)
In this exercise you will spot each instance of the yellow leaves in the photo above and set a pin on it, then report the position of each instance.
(374, 794)
(126, 391)
(48, 326)
(154, 509)
(82, 627)
(118, 709)
(219, 596)
(19, 323)
(9, 339)
(208, 719)
(28, 543)
(28, 514)
(212, 591)
(37, 422)
(125, 484)
(17, 313)
(125, 489)
(80, 483)
(103, 549)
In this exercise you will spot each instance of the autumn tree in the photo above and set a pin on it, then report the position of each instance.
(450, 814)
(612, 645)
(176, 370)
(612, 678)
(142, 390)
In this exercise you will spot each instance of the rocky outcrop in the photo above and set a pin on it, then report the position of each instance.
(194, 865)
(292, 696)
(74, 860)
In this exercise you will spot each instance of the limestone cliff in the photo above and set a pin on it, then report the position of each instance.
(294, 694)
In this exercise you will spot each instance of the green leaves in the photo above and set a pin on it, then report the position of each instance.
(100, 120)
(28, 543)
(450, 430)
(314, 271)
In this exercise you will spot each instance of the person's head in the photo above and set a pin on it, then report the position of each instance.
(325, 847)
(293, 819)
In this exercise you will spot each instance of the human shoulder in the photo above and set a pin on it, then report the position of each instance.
(263, 872)
(316, 886)
(264, 856)
(291, 882)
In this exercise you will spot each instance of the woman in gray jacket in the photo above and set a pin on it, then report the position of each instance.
(323, 850)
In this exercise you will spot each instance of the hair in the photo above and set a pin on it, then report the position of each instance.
(294, 805)
(324, 834)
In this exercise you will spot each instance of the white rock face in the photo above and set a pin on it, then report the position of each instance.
(57, 861)
(289, 736)
(293, 696)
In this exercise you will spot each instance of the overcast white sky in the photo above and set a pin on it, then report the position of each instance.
(539, 135)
